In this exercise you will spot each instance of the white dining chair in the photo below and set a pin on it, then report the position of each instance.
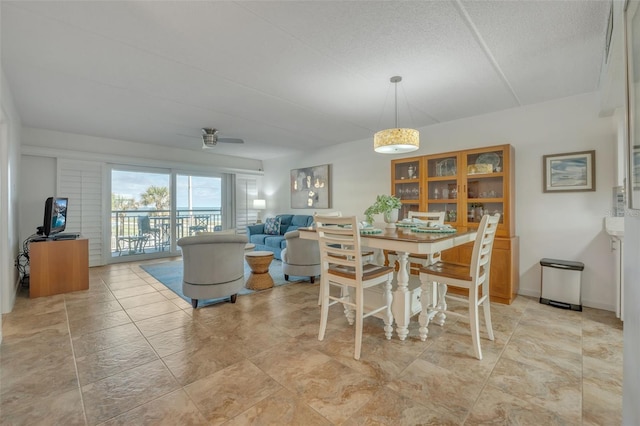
(474, 277)
(368, 255)
(342, 267)
(415, 258)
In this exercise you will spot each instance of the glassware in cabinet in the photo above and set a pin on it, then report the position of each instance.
(406, 208)
(442, 189)
(442, 166)
(406, 169)
(449, 207)
(407, 191)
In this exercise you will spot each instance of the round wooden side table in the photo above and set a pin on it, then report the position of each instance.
(259, 262)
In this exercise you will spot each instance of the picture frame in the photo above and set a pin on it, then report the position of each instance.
(311, 187)
(569, 172)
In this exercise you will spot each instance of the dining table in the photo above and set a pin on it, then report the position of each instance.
(406, 240)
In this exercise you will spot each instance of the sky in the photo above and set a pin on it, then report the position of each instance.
(206, 191)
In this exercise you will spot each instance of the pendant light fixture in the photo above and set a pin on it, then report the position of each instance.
(396, 141)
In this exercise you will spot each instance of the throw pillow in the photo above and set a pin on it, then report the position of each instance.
(272, 226)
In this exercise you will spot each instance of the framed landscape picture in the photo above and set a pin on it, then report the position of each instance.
(311, 187)
(570, 172)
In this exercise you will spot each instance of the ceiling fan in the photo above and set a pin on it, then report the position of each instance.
(210, 138)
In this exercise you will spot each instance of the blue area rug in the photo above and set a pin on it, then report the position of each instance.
(170, 274)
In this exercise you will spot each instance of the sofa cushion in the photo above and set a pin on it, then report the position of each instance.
(273, 241)
(285, 221)
(299, 221)
(257, 238)
(272, 226)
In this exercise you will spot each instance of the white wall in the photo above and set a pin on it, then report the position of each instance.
(38, 182)
(9, 219)
(69, 145)
(631, 332)
(41, 150)
(566, 226)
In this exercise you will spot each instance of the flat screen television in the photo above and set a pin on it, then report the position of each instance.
(55, 215)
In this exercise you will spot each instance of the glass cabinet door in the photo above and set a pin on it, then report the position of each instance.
(485, 185)
(406, 184)
(443, 187)
(406, 208)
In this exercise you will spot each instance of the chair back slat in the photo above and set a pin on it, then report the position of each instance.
(437, 217)
(339, 240)
(482, 248)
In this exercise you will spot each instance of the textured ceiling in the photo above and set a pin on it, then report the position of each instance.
(289, 76)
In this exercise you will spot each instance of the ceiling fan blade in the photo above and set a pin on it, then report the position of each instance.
(230, 140)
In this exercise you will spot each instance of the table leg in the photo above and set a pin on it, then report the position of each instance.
(441, 304)
(378, 257)
(401, 304)
(426, 301)
(349, 311)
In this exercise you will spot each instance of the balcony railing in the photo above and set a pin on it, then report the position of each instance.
(133, 233)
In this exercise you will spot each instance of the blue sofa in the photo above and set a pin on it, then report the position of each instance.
(275, 243)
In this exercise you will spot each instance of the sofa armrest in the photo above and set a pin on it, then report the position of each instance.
(255, 229)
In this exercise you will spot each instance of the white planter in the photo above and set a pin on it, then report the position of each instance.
(391, 218)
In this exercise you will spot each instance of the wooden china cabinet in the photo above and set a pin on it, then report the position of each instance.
(466, 185)
(406, 184)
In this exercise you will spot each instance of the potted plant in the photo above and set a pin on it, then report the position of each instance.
(385, 204)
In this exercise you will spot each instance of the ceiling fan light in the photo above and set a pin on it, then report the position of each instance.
(396, 141)
(210, 139)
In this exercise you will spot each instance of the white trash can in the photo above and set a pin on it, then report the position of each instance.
(560, 283)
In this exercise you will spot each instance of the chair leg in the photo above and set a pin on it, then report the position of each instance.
(194, 303)
(312, 279)
(324, 307)
(359, 315)
(233, 298)
(474, 322)
(286, 277)
(486, 306)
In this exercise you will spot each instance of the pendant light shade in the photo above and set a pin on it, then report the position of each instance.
(397, 140)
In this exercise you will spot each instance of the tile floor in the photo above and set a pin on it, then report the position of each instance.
(129, 351)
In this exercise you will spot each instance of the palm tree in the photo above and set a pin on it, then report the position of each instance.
(157, 196)
(120, 202)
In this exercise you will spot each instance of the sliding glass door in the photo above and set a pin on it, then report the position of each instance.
(140, 212)
(198, 204)
(152, 208)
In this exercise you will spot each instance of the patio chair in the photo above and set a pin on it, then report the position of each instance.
(200, 223)
(145, 230)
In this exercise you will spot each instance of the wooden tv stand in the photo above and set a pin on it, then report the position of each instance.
(58, 266)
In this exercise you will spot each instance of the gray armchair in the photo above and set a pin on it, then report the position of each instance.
(300, 258)
(213, 266)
